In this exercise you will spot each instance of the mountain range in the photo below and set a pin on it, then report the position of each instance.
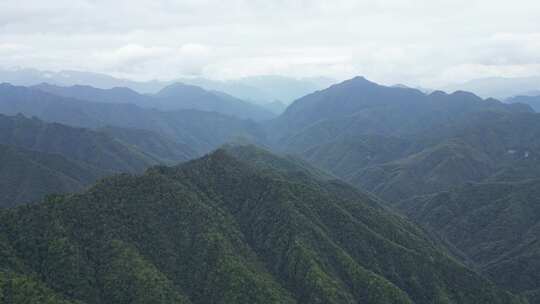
(202, 131)
(360, 130)
(177, 96)
(404, 146)
(317, 221)
(262, 90)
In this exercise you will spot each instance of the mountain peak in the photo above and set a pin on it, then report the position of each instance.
(359, 80)
(465, 94)
(180, 88)
(438, 93)
(6, 85)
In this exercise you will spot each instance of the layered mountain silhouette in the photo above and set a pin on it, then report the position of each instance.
(499, 87)
(242, 225)
(533, 101)
(176, 96)
(202, 131)
(223, 230)
(40, 158)
(30, 77)
(95, 148)
(260, 90)
(358, 106)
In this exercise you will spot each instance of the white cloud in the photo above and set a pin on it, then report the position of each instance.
(410, 41)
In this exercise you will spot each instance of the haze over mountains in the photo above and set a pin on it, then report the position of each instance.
(201, 130)
(533, 100)
(176, 96)
(261, 90)
(499, 87)
(269, 152)
(311, 218)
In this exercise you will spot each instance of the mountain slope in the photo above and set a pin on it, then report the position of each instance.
(83, 145)
(89, 93)
(344, 157)
(182, 96)
(27, 176)
(286, 164)
(497, 225)
(220, 230)
(152, 143)
(432, 170)
(482, 146)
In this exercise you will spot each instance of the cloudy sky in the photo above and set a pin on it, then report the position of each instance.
(419, 42)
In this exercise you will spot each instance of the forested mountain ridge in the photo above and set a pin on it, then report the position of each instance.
(439, 158)
(40, 158)
(359, 106)
(152, 143)
(490, 146)
(399, 142)
(219, 230)
(288, 231)
(94, 148)
(27, 176)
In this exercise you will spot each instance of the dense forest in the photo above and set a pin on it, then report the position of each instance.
(269, 152)
(222, 230)
(356, 193)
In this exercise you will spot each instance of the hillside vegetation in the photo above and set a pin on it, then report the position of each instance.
(220, 230)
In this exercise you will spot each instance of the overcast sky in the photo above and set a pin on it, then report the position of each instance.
(424, 42)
